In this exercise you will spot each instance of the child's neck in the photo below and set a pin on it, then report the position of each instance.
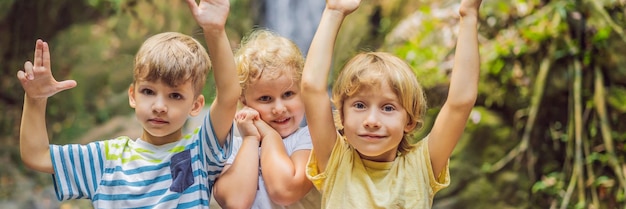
(288, 135)
(385, 157)
(161, 140)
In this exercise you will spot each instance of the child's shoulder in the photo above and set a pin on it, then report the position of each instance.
(119, 142)
(303, 132)
(300, 139)
(418, 149)
(122, 138)
(119, 139)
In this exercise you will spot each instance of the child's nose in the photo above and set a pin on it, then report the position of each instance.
(372, 120)
(159, 105)
(279, 107)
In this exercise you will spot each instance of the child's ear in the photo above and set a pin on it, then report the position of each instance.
(131, 96)
(198, 104)
(410, 126)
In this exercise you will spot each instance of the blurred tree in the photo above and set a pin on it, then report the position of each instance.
(548, 130)
(93, 42)
(549, 127)
(22, 23)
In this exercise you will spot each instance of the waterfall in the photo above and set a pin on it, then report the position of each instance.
(296, 20)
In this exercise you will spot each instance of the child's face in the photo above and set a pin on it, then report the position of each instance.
(374, 122)
(162, 109)
(278, 103)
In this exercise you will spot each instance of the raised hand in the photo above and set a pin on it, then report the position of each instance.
(469, 7)
(344, 6)
(210, 14)
(244, 119)
(37, 79)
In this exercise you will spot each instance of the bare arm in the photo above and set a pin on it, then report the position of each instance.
(237, 185)
(211, 15)
(39, 84)
(315, 74)
(462, 94)
(284, 176)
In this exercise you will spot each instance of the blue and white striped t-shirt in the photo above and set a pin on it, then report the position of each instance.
(126, 173)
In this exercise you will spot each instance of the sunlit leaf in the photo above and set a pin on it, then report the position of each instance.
(617, 98)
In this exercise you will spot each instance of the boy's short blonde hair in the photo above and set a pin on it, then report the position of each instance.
(172, 58)
(373, 68)
(265, 53)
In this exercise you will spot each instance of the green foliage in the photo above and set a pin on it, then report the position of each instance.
(552, 104)
(617, 98)
(99, 56)
(116, 4)
(551, 184)
(511, 63)
(93, 43)
(5, 7)
(548, 130)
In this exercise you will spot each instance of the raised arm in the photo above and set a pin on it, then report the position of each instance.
(463, 91)
(39, 84)
(237, 185)
(315, 74)
(284, 175)
(211, 15)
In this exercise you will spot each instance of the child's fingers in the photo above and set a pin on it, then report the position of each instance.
(261, 125)
(243, 116)
(250, 116)
(469, 7)
(38, 52)
(248, 113)
(46, 55)
(240, 115)
(21, 75)
(253, 115)
(251, 112)
(28, 70)
(65, 85)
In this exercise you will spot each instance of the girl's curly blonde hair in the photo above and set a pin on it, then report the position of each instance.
(265, 53)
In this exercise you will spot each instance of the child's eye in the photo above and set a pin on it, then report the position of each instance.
(359, 105)
(176, 96)
(265, 98)
(388, 108)
(146, 91)
(289, 94)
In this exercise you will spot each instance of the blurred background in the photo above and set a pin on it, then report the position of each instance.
(548, 129)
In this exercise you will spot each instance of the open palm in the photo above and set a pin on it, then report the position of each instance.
(344, 6)
(210, 14)
(469, 7)
(37, 79)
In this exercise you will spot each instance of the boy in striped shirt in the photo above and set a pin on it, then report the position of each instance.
(164, 168)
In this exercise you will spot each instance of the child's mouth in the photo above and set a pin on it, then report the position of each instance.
(282, 121)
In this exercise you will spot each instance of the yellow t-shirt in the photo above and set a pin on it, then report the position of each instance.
(352, 182)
